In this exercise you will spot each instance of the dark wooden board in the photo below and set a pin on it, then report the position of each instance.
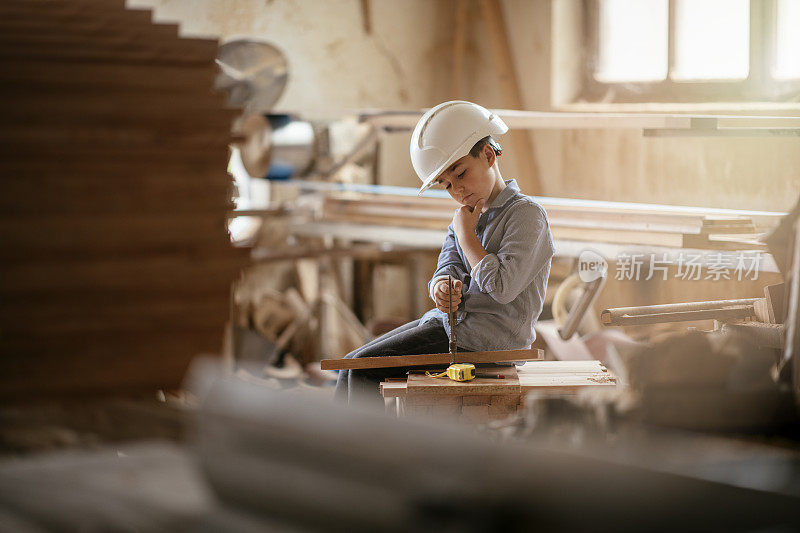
(393, 361)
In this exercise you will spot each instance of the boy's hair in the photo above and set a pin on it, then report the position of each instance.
(476, 150)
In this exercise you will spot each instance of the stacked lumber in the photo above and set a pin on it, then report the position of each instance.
(116, 262)
(564, 376)
(575, 220)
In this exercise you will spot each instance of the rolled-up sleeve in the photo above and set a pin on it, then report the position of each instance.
(526, 248)
(449, 263)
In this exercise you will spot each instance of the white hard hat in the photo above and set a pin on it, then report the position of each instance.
(447, 133)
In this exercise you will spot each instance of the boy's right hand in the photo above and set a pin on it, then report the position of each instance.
(440, 293)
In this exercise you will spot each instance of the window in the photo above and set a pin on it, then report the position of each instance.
(692, 50)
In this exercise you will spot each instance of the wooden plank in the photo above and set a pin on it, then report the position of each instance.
(183, 79)
(170, 111)
(165, 270)
(101, 311)
(723, 242)
(561, 367)
(92, 234)
(386, 211)
(397, 221)
(103, 364)
(672, 240)
(565, 383)
(517, 118)
(393, 361)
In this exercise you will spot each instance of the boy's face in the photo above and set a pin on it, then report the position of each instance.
(468, 179)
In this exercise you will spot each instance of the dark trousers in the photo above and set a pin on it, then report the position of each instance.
(409, 339)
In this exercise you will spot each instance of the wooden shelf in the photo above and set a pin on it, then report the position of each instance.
(652, 124)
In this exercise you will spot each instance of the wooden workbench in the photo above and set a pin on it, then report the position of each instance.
(488, 398)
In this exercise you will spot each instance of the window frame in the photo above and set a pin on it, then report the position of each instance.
(759, 86)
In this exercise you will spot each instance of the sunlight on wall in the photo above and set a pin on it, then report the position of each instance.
(712, 39)
(787, 40)
(633, 40)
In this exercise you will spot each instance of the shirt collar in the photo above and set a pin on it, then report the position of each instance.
(505, 195)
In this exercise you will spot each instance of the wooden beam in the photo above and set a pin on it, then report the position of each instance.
(391, 361)
(366, 15)
(649, 122)
(522, 143)
(679, 312)
(459, 39)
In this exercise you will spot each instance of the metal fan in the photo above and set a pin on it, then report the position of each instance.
(254, 74)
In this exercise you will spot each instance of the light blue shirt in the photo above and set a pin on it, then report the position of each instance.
(503, 294)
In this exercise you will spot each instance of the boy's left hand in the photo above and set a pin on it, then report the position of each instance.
(466, 219)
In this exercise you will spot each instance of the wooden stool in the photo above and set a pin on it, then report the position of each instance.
(486, 397)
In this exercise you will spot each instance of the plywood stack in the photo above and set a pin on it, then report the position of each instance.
(610, 222)
(116, 262)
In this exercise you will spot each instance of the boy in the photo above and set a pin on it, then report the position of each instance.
(498, 250)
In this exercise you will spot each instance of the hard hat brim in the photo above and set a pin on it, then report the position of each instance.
(462, 150)
(494, 126)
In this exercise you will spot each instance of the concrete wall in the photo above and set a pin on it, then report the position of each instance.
(334, 64)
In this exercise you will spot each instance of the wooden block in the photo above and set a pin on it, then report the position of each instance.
(483, 399)
(502, 411)
(416, 410)
(445, 410)
(393, 390)
(476, 414)
(763, 311)
(775, 303)
(433, 399)
(761, 333)
(505, 400)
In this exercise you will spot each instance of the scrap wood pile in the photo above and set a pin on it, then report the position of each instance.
(640, 224)
(116, 262)
(282, 332)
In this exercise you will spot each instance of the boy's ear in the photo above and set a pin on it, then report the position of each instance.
(488, 152)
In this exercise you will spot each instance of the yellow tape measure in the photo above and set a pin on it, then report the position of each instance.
(456, 372)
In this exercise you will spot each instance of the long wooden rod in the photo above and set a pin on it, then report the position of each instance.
(679, 312)
(391, 361)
